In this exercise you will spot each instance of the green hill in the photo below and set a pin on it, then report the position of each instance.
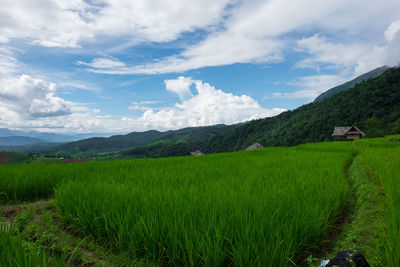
(137, 139)
(372, 105)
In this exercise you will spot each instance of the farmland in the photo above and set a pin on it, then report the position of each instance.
(269, 207)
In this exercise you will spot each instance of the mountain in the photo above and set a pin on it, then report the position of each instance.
(35, 147)
(370, 104)
(49, 137)
(18, 140)
(135, 139)
(343, 87)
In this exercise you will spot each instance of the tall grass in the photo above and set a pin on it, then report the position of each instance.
(254, 208)
(15, 252)
(384, 166)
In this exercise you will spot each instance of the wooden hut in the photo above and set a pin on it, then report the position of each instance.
(254, 146)
(196, 153)
(347, 133)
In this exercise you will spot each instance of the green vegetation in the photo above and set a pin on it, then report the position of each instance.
(142, 144)
(384, 166)
(38, 226)
(241, 208)
(364, 230)
(14, 251)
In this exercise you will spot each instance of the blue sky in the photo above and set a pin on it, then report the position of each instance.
(120, 66)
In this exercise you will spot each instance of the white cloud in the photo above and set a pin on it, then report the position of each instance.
(103, 63)
(32, 98)
(31, 103)
(180, 86)
(387, 54)
(142, 105)
(67, 23)
(311, 87)
(351, 60)
(208, 106)
(259, 32)
(337, 55)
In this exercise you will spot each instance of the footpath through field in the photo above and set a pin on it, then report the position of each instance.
(360, 225)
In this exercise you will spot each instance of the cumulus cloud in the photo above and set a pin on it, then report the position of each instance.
(208, 106)
(25, 100)
(387, 54)
(180, 86)
(31, 103)
(32, 98)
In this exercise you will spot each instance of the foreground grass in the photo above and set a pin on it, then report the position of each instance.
(38, 228)
(14, 251)
(249, 208)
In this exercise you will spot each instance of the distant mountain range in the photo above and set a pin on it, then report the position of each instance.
(18, 140)
(11, 138)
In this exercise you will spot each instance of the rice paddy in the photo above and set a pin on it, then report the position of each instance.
(269, 207)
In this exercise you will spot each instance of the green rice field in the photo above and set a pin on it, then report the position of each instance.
(268, 207)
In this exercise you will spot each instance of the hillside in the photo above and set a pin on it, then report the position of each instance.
(152, 137)
(371, 104)
(350, 84)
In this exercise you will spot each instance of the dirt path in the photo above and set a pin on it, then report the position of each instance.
(360, 224)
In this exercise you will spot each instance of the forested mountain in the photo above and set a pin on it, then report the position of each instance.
(372, 105)
(153, 137)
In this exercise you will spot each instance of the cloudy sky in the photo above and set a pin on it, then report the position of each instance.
(122, 66)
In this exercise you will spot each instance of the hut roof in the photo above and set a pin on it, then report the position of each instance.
(196, 153)
(341, 131)
(254, 146)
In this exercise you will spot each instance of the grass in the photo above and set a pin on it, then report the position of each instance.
(364, 229)
(384, 165)
(260, 207)
(38, 225)
(14, 251)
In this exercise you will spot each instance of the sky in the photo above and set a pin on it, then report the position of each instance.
(117, 66)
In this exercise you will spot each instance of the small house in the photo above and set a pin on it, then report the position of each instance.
(196, 153)
(347, 133)
(254, 146)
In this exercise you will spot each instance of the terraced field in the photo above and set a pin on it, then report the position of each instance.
(269, 207)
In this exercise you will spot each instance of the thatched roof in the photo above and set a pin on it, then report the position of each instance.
(254, 146)
(342, 131)
(196, 153)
